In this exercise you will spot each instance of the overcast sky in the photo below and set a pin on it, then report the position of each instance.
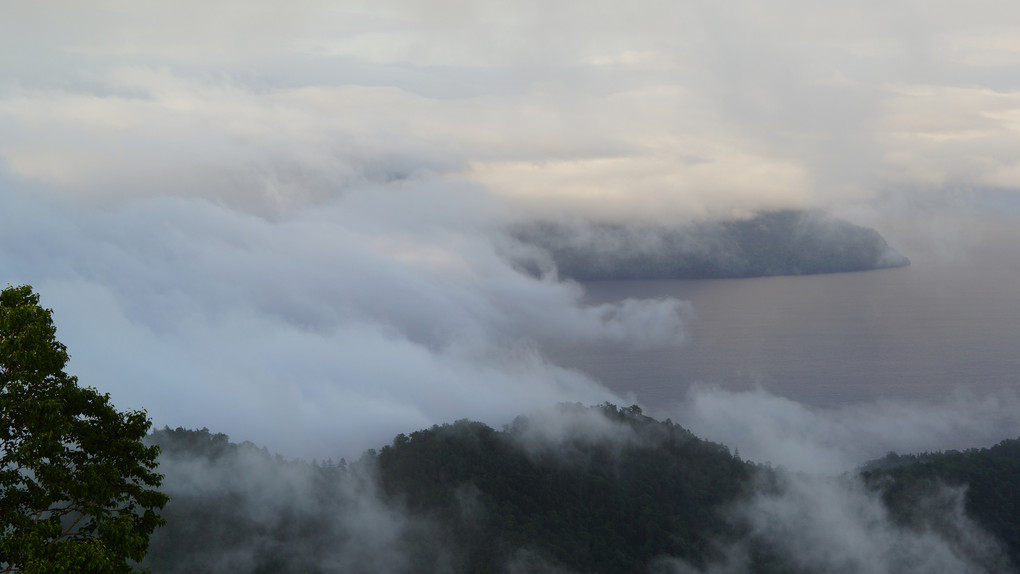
(280, 219)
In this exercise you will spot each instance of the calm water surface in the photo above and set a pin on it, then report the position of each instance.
(914, 332)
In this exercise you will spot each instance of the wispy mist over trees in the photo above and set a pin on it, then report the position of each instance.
(985, 480)
(570, 489)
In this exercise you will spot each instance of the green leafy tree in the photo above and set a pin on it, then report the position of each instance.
(78, 487)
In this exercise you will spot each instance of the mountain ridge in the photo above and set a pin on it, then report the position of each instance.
(570, 489)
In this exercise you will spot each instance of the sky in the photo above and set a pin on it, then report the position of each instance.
(283, 220)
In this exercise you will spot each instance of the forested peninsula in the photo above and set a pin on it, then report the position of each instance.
(571, 489)
(790, 242)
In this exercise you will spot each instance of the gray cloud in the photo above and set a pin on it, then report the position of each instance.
(282, 219)
(769, 428)
(663, 110)
(275, 213)
(325, 330)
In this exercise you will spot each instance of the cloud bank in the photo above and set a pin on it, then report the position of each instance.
(324, 330)
(659, 110)
(284, 217)
(780, 431)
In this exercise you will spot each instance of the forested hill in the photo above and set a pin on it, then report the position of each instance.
(609, 495)
(772, 243)
(990, 478)
(585, 489)
(571, 489)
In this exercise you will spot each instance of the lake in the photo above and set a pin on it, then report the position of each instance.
(941, 324)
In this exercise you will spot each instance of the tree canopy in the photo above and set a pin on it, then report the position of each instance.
(78, 487)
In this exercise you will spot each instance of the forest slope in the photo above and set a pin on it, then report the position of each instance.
(572, 489)
(990, 478)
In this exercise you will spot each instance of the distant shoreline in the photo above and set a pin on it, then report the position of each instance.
(781, 243)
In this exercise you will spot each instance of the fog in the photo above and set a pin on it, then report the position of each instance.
(322, 333)
(287, 221)
(837, 525)
(830, 440)
(664, 110)
(817, 521)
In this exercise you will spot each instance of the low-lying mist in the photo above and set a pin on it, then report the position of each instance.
(829, 440)
(531, 497)
(318, 332)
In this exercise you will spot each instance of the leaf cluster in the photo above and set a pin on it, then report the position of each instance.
(78, 488)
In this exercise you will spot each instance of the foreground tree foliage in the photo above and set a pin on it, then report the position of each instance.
(78, 487)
